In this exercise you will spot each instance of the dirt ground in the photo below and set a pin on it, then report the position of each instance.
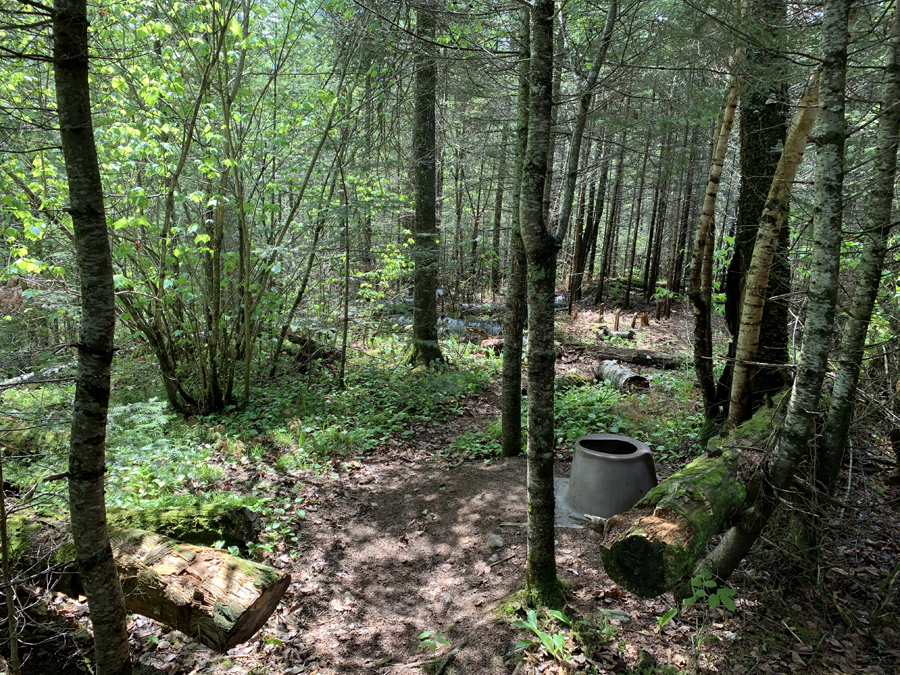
(408, 541)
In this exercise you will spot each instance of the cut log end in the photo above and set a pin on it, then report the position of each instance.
(639, 565)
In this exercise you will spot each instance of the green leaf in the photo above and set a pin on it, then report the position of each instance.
(667, 617)
(521, 644)
(559, 616)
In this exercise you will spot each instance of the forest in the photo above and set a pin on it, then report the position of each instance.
(307, 308)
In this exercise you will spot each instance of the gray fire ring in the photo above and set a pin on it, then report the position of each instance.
(610, 474)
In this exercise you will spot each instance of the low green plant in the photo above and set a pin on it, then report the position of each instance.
(703, 586)
(430, 640)
(554, 642)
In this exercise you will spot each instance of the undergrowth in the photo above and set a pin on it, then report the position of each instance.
(666, 417)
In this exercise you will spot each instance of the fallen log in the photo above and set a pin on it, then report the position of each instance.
(658, 543)
(216, 598)
(621, 377)
(203, 524)
(642, 357)
(616, 333)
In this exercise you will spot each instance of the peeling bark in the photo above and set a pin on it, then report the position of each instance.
(764, 253)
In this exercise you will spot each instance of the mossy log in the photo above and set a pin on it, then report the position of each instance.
(203, 524)
(621, 376)
(657, 544)
(216, 598)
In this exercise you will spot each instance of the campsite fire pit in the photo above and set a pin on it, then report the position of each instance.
(610, 473)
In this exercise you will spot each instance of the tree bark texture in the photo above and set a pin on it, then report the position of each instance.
(700, 286)
(541, 248)
(516, 303)
(87, 448)
(764, 250)
(869, 272)
(425, 349)
(498, 217)
(764, 111)
(793, 441)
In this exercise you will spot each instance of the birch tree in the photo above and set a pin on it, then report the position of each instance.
(793, 442)
(757, 280)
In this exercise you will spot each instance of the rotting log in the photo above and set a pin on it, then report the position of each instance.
(620, 376)
(658, 543)
(216, 598)
(493, 346)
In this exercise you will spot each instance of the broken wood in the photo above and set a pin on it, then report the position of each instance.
(616, 321)
(642, 357)
(214, 597)
(621, 376)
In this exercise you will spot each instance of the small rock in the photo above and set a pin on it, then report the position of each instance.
(348, 598)
(494, 558)
(446, 597)
(495, 541)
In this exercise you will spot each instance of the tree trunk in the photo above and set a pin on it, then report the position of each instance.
(763, 128)
(425, 350)
(516, 308)
(680, 241)
(87, 444)
(584, 106)
(871, 265)
(589, 239)
(498, 218)
(637, 219)
(793, 441)
(700, 289)
(764, 251)
(611, 222)
(541, 248)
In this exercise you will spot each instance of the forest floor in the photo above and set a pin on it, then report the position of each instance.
(411, 539)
